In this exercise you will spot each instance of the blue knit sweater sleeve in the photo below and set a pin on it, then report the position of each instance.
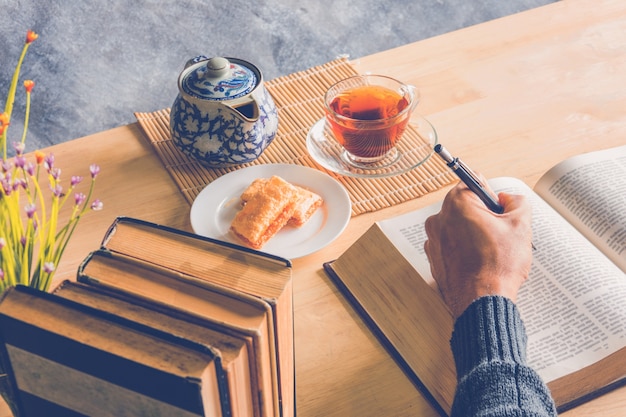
(493, 378)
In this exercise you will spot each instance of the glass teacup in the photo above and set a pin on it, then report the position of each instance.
(368, 115)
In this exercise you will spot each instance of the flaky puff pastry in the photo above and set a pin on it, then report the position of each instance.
(307, 202)
(265, 213)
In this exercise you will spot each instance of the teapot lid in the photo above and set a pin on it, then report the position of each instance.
(219, 78)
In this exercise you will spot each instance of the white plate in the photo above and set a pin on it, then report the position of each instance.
(214, 209)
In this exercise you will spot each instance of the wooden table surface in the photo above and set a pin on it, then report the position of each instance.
(513, 96)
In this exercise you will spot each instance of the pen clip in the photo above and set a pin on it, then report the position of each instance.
(455, 163)
(469, 178)
(469, 172)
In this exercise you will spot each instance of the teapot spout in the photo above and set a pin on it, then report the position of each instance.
(248, 109)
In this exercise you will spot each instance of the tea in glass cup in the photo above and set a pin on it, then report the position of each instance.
(368, 115)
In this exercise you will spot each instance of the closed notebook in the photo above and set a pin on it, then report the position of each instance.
(66, 359)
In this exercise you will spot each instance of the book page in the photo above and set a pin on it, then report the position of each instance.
(589, 190)
(408, 235)
(572, 304)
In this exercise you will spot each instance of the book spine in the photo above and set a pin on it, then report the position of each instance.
(222, 385)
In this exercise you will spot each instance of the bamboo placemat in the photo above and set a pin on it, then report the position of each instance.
(298, 97)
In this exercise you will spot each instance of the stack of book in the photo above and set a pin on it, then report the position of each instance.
(159, 322)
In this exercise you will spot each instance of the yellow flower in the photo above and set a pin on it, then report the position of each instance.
(28, 85)
(4, 121)
(39, 157)
(31, 36)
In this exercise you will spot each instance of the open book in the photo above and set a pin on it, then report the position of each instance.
(572, 305)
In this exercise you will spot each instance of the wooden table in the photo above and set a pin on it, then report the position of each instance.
(513, 96)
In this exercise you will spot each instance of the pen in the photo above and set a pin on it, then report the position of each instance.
(469, 178)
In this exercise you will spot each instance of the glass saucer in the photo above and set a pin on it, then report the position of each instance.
(415, 147)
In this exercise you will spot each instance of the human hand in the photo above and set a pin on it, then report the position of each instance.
(474, 252)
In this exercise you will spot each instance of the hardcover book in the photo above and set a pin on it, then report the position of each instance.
(240, 269)
(233, 313)
(234, 352)
(68, 359)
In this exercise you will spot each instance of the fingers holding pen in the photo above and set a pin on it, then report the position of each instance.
(473, 251)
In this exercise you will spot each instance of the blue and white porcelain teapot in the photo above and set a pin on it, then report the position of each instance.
(223, 115)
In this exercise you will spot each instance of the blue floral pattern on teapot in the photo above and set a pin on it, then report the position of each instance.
(223, 115)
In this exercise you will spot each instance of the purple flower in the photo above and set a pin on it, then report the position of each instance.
(48, 267)
(19, 147)
(1, 274)
(75, 180)
(57, 190)
(20, 161)
(56, 173)
(23, 241)
(79, 198)
(49, 161)
(6, 186)
(30, 210)
(3, 242)
(6, 165)
(97, 205)
(30, 169)
(19, 182)
(94, 169)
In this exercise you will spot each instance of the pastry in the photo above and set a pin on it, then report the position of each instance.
(307, 202)
(255, 187)
(265, 213)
